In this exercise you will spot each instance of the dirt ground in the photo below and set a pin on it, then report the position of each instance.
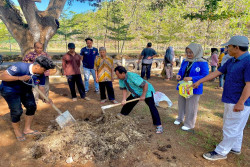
(122, 142)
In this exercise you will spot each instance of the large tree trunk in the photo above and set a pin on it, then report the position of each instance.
(40, 26)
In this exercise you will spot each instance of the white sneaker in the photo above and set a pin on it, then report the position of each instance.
(185, 128)
(74, 99)
(177, 122)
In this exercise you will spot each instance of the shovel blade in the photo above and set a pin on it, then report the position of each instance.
(65, 119)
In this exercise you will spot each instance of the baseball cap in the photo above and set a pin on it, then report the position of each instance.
(238, 41)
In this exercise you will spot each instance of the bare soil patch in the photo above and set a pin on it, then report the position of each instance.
(115, 142)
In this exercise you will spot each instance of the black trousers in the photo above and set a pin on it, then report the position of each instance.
(127, 108)
(76, 80)
(15, 101)
(109, 86)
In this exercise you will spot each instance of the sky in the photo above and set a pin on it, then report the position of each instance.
(76, 6)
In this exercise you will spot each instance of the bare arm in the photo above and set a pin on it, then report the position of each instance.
(140, 57)
(244, 96)
(207, 78)
(124, 96)
(6, 77)
(96, 76)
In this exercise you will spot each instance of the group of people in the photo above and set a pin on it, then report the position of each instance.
(18, 79)
(147, 56)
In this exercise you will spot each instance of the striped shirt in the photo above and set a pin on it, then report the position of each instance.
(104, 68)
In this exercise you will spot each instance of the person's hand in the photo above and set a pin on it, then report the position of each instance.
(195, 85)
(112, 79)
(24, 78)
(238, 107)
(187, 79)
(123, 102)
(97, 80)
(149, 58)
(49, 102)
(138, 61)
(178, 77)
(142, 98)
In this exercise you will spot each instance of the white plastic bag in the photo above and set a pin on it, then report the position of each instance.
(161, 97)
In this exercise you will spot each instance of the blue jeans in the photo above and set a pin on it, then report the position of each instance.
(86, 73)
(15, 101)
(146, 68)
(221, 80)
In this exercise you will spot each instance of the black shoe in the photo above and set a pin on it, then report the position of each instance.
(235, 152)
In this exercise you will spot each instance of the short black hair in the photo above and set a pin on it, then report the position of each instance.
(71, 45)
(44, 62)
(88, 39)
(242, 48)
(121, 69)
(149, 44)
(214, 49)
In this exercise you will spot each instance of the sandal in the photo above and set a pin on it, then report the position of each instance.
(159, 129)
(35, 132)
(114, 101)
(103, 101)
(21, 138)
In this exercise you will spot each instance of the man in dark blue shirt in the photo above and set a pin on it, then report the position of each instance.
(236, 97)
(16, 89)
(147, 56)
(89, 54)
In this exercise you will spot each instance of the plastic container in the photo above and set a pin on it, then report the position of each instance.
(185, 90)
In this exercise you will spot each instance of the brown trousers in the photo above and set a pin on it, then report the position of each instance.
(188, 108)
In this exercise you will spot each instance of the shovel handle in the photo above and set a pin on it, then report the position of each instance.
(46, 98)
(114, 105)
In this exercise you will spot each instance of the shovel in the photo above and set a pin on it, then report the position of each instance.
(114, 105)
(63, 119)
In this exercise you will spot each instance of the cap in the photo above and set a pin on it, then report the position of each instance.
(238, 41)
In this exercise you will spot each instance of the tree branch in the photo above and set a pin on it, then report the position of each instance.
(30, 13)
(55, 8)
(11, 17)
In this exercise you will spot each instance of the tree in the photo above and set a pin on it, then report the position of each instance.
(118, 29)
(68, 27)
(211, 12)
(35, 25)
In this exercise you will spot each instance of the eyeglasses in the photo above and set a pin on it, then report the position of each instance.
(189, 53)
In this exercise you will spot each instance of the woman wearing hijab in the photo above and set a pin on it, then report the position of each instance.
(193, 68)
(168, 62)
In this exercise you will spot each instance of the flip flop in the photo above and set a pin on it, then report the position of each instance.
(35, 132)
(21, 138)
(103, 101)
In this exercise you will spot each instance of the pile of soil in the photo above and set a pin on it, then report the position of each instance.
(85, 141)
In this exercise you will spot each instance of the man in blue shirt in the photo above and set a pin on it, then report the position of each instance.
(89, 54)
(139, 88)
(236, 97)
(16, 89)
(147, 56)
